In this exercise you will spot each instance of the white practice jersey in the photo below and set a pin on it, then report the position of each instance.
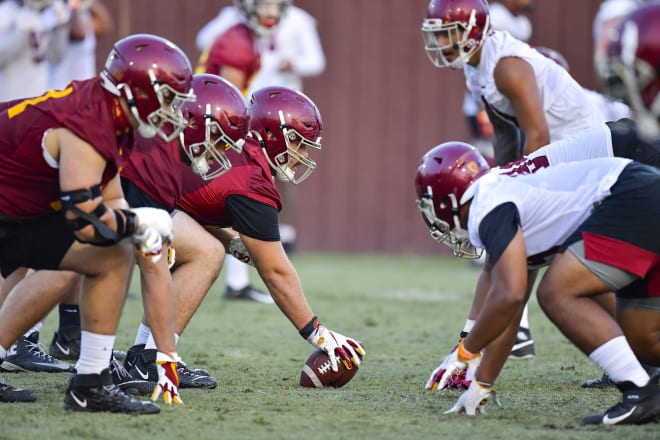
(79, 60)
(501, 19)
(565, 104)
(592, 143)
(552, 202)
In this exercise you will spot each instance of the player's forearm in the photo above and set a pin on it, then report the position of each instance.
(158, 302)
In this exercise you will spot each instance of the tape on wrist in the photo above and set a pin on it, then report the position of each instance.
(309, 328)
(464, 354)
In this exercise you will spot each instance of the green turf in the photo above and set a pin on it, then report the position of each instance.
(407, 311)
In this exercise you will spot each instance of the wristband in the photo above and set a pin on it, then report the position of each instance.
(464, 354)
(309, 328)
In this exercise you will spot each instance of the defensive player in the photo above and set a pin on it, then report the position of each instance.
(549, 215)
(62, 207)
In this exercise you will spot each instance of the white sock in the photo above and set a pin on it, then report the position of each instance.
(469, 323)
(237, 276)
(95, 352)
(142, 335)
(524, 320)
(3, 352)
(617, 360)
(151, 342)
(34, 328)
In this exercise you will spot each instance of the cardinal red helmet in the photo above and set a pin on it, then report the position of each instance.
(263, 15)
(287, 124)
(633, 66)
(217, 121)
(154, 76)
(454, 30)
(442, 181)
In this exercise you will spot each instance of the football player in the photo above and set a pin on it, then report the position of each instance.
(548, 216)
(63, 207)
(530, 101)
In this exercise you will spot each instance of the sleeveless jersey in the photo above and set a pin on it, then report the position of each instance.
(249, 176)
(565, 104)
(552, 202)
(29, 182)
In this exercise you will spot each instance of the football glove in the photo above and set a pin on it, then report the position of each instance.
(149, 242)
(168, 378)
(474, 400)
(459, 381)
(338, 347)
(458, 360)
(238, 250)
(159, 219)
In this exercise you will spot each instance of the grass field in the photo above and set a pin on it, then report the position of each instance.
(408, 311)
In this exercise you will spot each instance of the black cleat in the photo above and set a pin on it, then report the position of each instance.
(28, 355)
(600, 382)
(524, 345)
(66, 344)
(9, 393)
(248, 293)
(96, 392)
(141, 363)
(639, 405)
(128, 383)
(193, 378)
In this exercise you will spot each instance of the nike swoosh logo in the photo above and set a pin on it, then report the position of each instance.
(64, 350)
(81, 403)
(144, 376)
(615, 420)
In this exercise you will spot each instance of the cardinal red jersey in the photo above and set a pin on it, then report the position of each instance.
(235, 48)
(29, 178)
(155, 168)
(249, 176)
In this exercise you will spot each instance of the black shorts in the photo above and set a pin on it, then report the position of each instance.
(137, 198)
(37, 244)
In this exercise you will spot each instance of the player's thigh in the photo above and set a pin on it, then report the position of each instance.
(193, 242)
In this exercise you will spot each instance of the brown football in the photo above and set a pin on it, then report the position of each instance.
(317, 372)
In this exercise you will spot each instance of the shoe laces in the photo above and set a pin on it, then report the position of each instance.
(118, 369)
(39, 351)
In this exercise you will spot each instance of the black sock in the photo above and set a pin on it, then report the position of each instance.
(69, 315)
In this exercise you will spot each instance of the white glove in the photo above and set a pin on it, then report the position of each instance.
(149, 242)
(238, 250)
(168, 378)
(459, 359)
(474, 400)
(159, 219)
(338, 347)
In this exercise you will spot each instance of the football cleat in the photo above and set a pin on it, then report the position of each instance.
(28, 355)
(65, 345)
(638, 405)
(141, 363)
(248, 293)
(523, 348)
(193, 378)
(97, 392)
(9, 393)
(130, 385)
(600, 382)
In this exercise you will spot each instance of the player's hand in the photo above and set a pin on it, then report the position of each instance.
(168, 378)
(238, 250)
(159, 219)
(459, 381)
(459, 359)
(474, 400)
(338, 347)
(149, 242)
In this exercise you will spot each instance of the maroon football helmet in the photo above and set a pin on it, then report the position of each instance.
(287, 124)
(154, 76)
(263, 16)
(442, 184)
(455, 25)
(217, 121)
(633, 66)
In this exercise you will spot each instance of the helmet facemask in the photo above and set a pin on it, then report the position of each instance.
(288, 162)
(455, 36)
(441, 231)
(207, 158)
(167, 120)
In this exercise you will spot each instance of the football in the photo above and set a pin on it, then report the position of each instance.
(317, 372)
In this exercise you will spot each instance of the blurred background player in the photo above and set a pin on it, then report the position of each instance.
(33, 34)
(289, 50)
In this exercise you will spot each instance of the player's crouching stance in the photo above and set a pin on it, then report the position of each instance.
(598, 217)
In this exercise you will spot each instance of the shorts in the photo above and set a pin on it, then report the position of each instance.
(38, 244)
